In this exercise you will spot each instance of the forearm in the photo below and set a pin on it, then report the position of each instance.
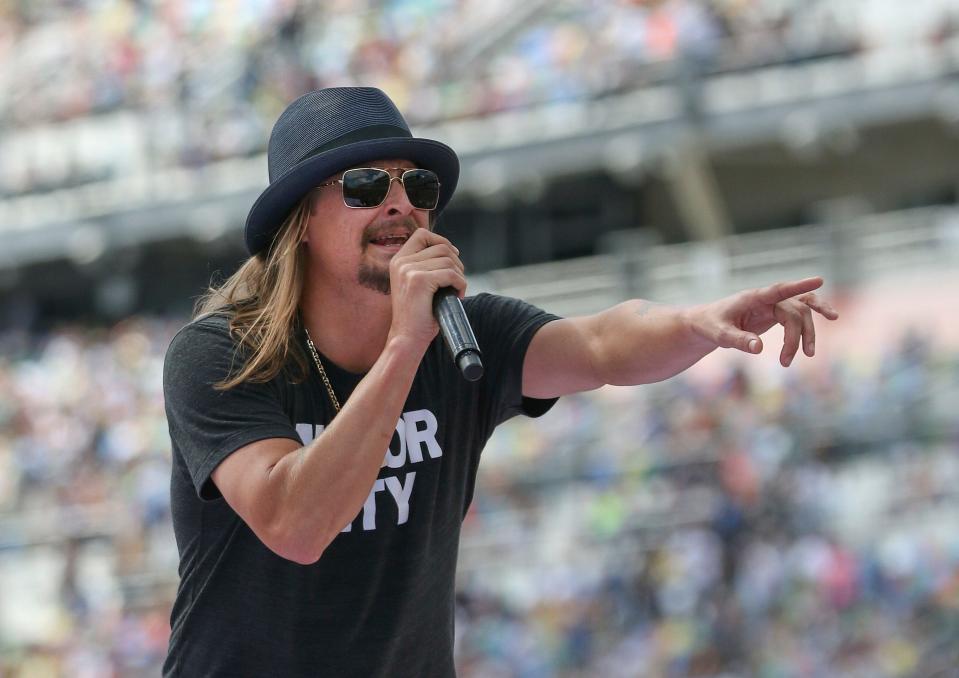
(640, 342)
(321, 487)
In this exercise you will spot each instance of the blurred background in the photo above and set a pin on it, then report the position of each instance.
(739, 520)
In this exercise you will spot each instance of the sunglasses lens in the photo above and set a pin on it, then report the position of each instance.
(365, 187)
(422, 188)
(368, 187)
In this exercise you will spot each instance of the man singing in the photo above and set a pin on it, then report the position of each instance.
(325, 446)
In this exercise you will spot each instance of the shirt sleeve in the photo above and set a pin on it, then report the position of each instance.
(504, 328)
(207, 425)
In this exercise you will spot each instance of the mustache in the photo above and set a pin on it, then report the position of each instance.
(381, 228)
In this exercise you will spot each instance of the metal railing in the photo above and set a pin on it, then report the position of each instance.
(845, 253)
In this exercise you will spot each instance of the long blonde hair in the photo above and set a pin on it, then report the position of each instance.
(262, 299)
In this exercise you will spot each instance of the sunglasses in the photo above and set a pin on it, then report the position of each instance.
(365, 187)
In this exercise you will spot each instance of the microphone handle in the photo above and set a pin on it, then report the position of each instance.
(457, 333)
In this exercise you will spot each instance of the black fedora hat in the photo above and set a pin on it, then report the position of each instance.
(332, 129)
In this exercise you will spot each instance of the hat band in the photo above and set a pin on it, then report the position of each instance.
(363, 134)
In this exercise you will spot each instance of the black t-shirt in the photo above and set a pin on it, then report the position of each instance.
(379, 602)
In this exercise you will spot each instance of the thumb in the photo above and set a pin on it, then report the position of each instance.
(749, 343)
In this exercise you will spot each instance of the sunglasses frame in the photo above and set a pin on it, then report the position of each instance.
(388, 171)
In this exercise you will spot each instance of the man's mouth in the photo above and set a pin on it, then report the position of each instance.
(391, 238)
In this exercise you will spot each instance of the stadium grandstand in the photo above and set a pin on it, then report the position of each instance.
(738, 520)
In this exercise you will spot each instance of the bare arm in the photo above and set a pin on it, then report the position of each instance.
(297, 499)
(638, 342)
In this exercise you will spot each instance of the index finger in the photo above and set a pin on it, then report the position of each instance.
(421, 239)
(786, 290)
(427, 238)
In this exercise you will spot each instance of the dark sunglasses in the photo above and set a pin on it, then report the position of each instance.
(368, 187)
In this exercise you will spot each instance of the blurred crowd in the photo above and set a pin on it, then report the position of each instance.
(440, 58)
(797, 526)
(807, 526)
(207, 79)
(87, 561)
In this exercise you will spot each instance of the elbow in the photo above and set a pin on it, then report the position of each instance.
(297, 543)
(291, 533)
(297, 552)
(301, 558)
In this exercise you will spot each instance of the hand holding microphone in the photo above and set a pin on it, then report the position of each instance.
(426, 280)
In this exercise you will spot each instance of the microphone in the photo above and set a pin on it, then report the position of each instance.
(457, 333)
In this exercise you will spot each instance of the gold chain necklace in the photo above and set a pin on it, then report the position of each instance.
(319, 366)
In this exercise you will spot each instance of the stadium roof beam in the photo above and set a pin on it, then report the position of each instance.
(694, 190)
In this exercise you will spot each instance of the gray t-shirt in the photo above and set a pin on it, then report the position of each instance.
(379, 602)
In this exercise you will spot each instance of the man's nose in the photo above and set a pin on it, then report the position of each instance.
(397, 200)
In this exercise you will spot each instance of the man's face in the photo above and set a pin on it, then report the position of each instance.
(355, 245)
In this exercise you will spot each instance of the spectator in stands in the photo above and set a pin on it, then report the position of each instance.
(208, 78)
(525, 479)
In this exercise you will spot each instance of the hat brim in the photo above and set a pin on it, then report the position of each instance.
(278, 200)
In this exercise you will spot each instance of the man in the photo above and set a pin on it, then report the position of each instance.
(305, 550)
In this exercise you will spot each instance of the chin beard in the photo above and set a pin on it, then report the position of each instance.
(374, 278)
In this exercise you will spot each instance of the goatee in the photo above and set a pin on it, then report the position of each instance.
(374, 278)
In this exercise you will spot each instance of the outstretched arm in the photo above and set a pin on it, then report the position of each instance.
(638, 342)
